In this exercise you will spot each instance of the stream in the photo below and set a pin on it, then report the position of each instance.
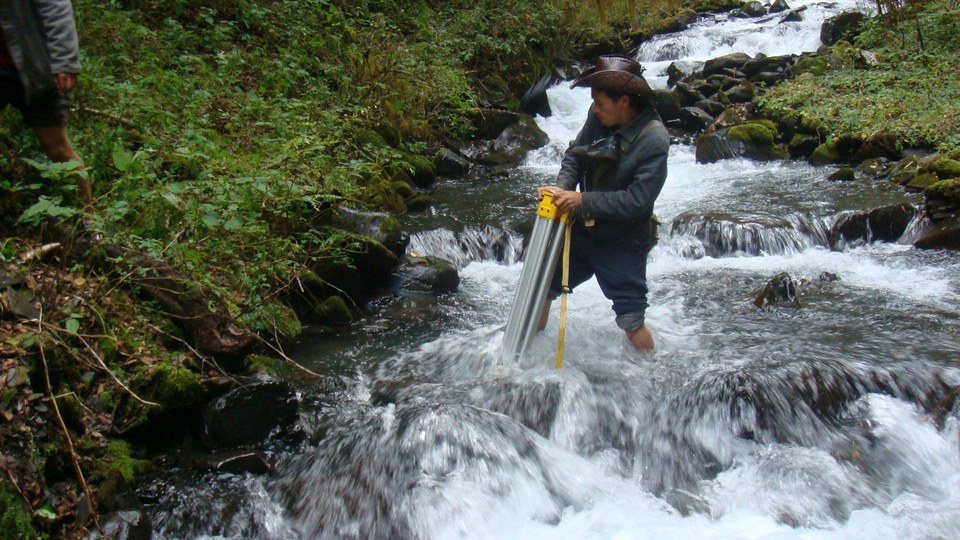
(745, 423)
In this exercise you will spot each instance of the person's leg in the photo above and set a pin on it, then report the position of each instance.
(56, 144)
(621, 273)
(641, 339)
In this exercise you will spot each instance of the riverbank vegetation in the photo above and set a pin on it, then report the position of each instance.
(911, 92)
(220, 137)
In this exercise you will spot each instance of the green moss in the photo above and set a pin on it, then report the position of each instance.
(755, 133)
(814, 66)
(825, 154)
(944, 189)
(945, 168)
(371, 138)
(175, 386)
(283, 319)
(403, 189)
(422, 169)
(843, 174)
(118, 458)
(955, 155)
(335, 310)
(15, 522)
(923, 181)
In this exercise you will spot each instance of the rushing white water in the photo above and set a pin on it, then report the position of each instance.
(745, 423)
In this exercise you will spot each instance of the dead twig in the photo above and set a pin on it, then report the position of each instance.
(63, 426)
(287, 358)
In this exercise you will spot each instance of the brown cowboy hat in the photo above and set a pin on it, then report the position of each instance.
(618, 74)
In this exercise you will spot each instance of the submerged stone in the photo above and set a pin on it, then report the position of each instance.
(249, 415)
(781, 290)
(843, 174)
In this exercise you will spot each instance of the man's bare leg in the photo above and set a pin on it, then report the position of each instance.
(544, 315)
(57, 146)
(641, 339)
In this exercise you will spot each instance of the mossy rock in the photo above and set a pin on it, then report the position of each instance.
(419, 203)
(173, 386)
(284, 320)
(922, 181)
(948, 190)
(389, 132)
(336, 311)
(825, 154)
(904, 171)
(382, 196)
(422, 170)
(945, 168)
(843, 174)
(403, 189)
(813, 126)
(755, 133)
(955, 155)
(814, 66)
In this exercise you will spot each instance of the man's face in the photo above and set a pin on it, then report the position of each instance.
(610, 113)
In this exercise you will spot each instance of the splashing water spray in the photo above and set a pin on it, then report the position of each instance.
(549, 231)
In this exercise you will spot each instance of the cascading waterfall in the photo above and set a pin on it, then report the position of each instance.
(832, 420)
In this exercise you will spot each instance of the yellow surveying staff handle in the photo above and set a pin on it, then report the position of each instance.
(549, 211)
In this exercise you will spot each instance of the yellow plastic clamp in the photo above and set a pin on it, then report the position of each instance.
(548, 210)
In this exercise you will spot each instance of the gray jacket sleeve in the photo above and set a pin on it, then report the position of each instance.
(60, 31)
(648, 161)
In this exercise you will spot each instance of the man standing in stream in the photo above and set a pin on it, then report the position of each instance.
(39, 63)
(619, 163)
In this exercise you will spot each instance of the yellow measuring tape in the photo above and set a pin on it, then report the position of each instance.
(565, 283)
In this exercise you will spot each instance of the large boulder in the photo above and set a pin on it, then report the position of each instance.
(668, 104)
(695, 119)
(941, 234)
(490, 122)
(749, 10)
(794, 15)
(427, 274)
(380, 226)
(688, 96)
(943, 199)
(514, 143)
(450, 163)
(781, 290)
(249, 415)
(886, 224)
(717, 65)
(711, 106)
(534, 101)
(778, 6)
(741, 93)
(841, 27)
(761, 63)
(754, 140)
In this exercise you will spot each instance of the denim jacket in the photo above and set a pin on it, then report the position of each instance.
(620, 173)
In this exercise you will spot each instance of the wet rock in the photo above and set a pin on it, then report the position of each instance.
(778, 6)
(942, 234)
(674, 74)
(240, 461)
(794, 15)
(802, 146)
(945, 168)
(450, 163)
(380, 226)
(882, 145)
(419, 203)
(753, 140)
(781, 290)
(249, 415)
(904, 171)
(427, 275)
(761, 63)
(717, 65)
(873, 166)
(695, 119)
(837, 150)
(705, 88)
(828, 277)
(534, 101)
(423, 172)
(128, 525)
(741, 93)
(886, 224)
(688, 96)
(334, 310)
(667, 104)
(843, 174)
(843, 26)
(491, 122)
(921, 182)
(749, 10)
(711, 107)
(943, 199)
(16, 305)
(514, 143)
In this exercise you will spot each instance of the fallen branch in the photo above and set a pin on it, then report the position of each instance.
(287, 358)
(114, 377)
(110, 116)
(63, 426)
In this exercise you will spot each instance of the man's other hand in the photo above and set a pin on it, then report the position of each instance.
(547, 189)
(567, 201)
(65, 82)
